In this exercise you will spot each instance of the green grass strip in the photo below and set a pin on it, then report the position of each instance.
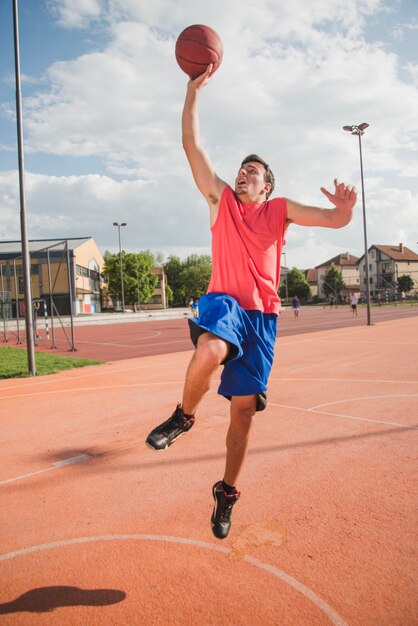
(14, 363)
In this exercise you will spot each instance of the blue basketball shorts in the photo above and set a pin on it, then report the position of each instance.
(251, 335)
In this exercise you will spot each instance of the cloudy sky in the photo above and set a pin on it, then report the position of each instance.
(102, 100)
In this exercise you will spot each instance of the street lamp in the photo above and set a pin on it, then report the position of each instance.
(121, 264)
(27, 283)
(359, 131)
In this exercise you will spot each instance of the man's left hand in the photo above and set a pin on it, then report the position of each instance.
(344, 197)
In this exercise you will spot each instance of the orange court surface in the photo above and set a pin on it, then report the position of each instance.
(96, 528)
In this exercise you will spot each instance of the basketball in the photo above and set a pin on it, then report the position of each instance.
(196, 47)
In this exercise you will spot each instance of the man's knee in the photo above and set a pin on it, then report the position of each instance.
(211, 350)
(243, 409)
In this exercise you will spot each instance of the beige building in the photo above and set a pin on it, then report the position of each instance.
(62, 272)
(347, 264)
(158, 299)
(312, 280)
(386, 264)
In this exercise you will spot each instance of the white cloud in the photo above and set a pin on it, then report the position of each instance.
(75, 13)
(399, 30)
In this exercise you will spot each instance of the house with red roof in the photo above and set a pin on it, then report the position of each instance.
(386, 264)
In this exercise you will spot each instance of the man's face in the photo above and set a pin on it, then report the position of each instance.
(250, 185)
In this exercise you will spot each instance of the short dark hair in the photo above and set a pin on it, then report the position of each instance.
(268, 174)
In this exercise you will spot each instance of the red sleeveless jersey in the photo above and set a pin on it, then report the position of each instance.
(247, 241)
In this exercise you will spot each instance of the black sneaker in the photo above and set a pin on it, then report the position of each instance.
(221, 516)
(166, 433)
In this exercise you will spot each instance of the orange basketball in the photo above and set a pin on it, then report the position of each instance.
(196, 47)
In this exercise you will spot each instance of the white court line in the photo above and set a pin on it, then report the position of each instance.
(348, 417)
(156, 333)
(384, 341)
(348, 380)
(56, 465)
(124, 345)
(81, 389)
(177, 382)
(46, 381)
(319, 406)
(88, 374)
(321, 604)
(287, 340)
(289, 580)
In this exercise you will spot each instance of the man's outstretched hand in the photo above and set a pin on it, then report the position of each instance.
(203, 79)
(344, 197)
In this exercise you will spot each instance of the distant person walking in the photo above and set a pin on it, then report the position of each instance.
(36, 307)
(296, 306)
(354, 301)
(403, 297)
(195, 307)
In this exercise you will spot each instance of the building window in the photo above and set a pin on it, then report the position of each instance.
(154, 300)
(82, 271)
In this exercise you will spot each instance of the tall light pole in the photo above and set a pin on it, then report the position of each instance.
(23, 220)
(359, 131)
(121, 264)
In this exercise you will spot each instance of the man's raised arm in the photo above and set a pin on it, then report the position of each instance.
(206, 179)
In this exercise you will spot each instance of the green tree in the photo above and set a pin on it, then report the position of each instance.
(333, 282)
(189, 278)
(168, 294)
(172, 270)
(195, 280)
(138, 280)
(297, 285)
(405, 283)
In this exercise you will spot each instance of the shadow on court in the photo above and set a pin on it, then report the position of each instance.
(47, 599)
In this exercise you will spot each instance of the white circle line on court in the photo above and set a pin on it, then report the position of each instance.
(124, 345)
(289, 580)
(348, 417)
(102, 388)
(320, 406)
(100, 372)
(287, 341)
(134, 337)
(346, 380)
(176, 382)
(135, 346)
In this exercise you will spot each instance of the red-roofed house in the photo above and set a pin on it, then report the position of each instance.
(386, 264)
(311, 277)
(347, 264)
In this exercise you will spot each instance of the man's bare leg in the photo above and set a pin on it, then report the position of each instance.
(209, 354)
(224, 492)
(237, 439)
